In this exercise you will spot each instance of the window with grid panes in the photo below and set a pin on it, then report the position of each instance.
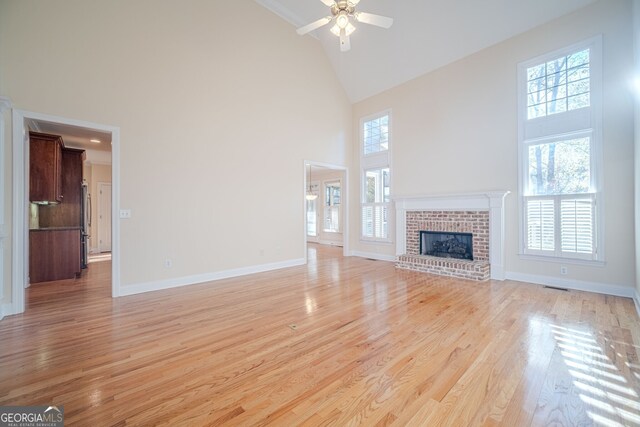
(376, 178)
(559, 146)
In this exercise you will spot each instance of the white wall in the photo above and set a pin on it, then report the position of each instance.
(207, 95)
(460, 122)
(5, 223)
(636, 39)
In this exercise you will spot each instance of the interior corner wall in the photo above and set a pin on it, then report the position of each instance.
(208, 96)
(455, 130)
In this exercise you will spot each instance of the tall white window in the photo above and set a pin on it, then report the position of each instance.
(376, 177)
(560, 151)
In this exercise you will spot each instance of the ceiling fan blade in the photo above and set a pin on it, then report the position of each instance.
(345, 41)
(328, 2)
(370, 18)
(354, 2)
(314, 25)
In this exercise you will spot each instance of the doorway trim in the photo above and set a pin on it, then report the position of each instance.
(20, 265)
(345, 212)
(309, 188)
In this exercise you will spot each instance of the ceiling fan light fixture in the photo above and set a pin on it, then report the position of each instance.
(335, 30)
(350, 29)
(342, 20)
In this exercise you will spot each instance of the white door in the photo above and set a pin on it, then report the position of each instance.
(104, 217)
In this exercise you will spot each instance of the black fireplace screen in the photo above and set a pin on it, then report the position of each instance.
(446, 244)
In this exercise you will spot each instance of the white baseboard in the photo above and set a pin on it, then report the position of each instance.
(206, 277)
(6, 310)
(636, 299)
(578, 285)
(373, 255)
(330, 242)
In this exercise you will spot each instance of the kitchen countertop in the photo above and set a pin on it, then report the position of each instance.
(56, 228)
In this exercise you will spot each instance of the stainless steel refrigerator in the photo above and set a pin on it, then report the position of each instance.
(86, 223)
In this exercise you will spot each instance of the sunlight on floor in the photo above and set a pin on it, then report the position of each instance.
(607, 396)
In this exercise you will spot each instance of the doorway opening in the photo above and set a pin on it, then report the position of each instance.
(326, 205)
(104, 220)
(99, 147)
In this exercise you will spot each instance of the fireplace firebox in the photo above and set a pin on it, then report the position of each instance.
(446, 244)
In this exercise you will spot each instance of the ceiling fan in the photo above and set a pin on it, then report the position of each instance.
(342, 12)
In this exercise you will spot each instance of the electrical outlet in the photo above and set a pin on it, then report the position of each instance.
(563, 270)
(125, 213)
(168, 263)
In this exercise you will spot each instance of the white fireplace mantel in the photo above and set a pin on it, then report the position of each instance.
(492, 201)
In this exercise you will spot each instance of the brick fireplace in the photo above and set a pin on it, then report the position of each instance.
(478, 214)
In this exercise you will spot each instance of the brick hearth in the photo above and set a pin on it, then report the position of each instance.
(474, 222)
(481, 214)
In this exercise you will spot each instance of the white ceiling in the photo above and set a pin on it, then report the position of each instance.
(75, 136)
(426, 34)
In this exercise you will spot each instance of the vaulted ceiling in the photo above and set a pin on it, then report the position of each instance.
(426, 34)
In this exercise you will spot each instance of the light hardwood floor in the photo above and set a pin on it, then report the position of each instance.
(341, 341)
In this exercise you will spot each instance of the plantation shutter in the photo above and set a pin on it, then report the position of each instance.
(374, 220)
(540, 224)
(577, 225)
(381, 220)
(367, 221)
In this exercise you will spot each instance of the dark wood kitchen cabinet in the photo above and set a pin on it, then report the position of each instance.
(68, 212)
(45, 168)
(55, 178)
(54, 254)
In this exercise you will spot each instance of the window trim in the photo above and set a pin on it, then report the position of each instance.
(564, 126)
(376, 160)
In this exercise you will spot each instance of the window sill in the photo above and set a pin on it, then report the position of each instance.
(558, 260)
(376, 242)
